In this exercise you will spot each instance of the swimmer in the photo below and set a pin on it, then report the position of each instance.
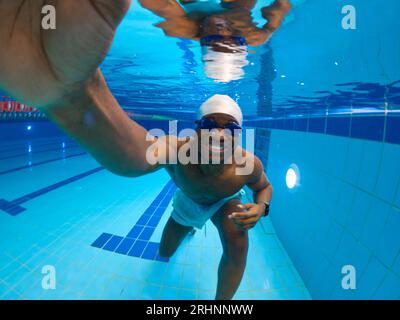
(214, 192)
(223, 28)
(58, 72)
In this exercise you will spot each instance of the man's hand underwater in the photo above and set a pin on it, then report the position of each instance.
(248, 219)
(44, 67)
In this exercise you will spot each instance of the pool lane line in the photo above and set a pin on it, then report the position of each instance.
(42, 162)
(23, 143)
(137, 242)
(36, 146)
(13, 207)
(37, 152)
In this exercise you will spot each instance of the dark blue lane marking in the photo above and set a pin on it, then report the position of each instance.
(35, 144)
(137, 242)
(42, 162)
(37, 152)
(13, 207)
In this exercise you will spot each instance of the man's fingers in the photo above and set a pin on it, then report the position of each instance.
(246, 205)
(243, 215)
(245, 221)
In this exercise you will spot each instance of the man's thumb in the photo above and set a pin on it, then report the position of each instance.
(246, 205)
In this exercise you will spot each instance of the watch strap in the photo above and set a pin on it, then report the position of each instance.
(267, 206)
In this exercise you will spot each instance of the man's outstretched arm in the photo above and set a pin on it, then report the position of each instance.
(94, 118)
(58, 72)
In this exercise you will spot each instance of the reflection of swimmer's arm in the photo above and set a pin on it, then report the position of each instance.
(274, 14)
(164, 8)
(177, 23)
(94, 118)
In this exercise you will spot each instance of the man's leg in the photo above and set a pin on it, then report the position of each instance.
(235, 246)
(172, 237)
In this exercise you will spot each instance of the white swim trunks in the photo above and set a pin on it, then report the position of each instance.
(191, 214)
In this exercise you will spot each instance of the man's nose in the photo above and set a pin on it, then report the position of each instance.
(220, 23)
(219, 134)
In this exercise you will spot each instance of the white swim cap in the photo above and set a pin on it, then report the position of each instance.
(221, 104)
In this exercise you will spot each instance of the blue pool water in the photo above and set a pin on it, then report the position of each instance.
(101, 233)
(320, 97)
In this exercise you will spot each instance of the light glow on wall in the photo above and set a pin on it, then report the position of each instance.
(292, 177)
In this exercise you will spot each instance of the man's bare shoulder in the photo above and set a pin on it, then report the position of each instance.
(247, 156)
(249, 160)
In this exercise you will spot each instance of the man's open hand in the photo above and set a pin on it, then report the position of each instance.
(42, 67)
(248, 219)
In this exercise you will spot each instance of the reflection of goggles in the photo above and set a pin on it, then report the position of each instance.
(209, 124)
(208, 40)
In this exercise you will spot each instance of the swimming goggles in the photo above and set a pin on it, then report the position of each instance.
(208, 40)
(209, 124)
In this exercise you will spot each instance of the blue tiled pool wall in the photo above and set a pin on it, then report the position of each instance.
(346, 210)
(261, 147)
(332, 69)
(381, 127)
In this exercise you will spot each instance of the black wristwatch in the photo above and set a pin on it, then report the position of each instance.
(267, 206)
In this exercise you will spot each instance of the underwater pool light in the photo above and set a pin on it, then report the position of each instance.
(29, 128)
(292, 177)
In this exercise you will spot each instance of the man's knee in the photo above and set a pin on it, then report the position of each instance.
(172, 236)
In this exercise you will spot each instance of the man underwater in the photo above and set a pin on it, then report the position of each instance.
(67, 85)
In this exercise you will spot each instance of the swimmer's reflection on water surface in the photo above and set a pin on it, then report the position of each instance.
(224, 29)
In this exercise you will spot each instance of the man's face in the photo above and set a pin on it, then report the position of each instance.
(217, 145)
(215, 25)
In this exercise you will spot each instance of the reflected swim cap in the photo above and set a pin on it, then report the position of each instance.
(224, 57)
(221, 104)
